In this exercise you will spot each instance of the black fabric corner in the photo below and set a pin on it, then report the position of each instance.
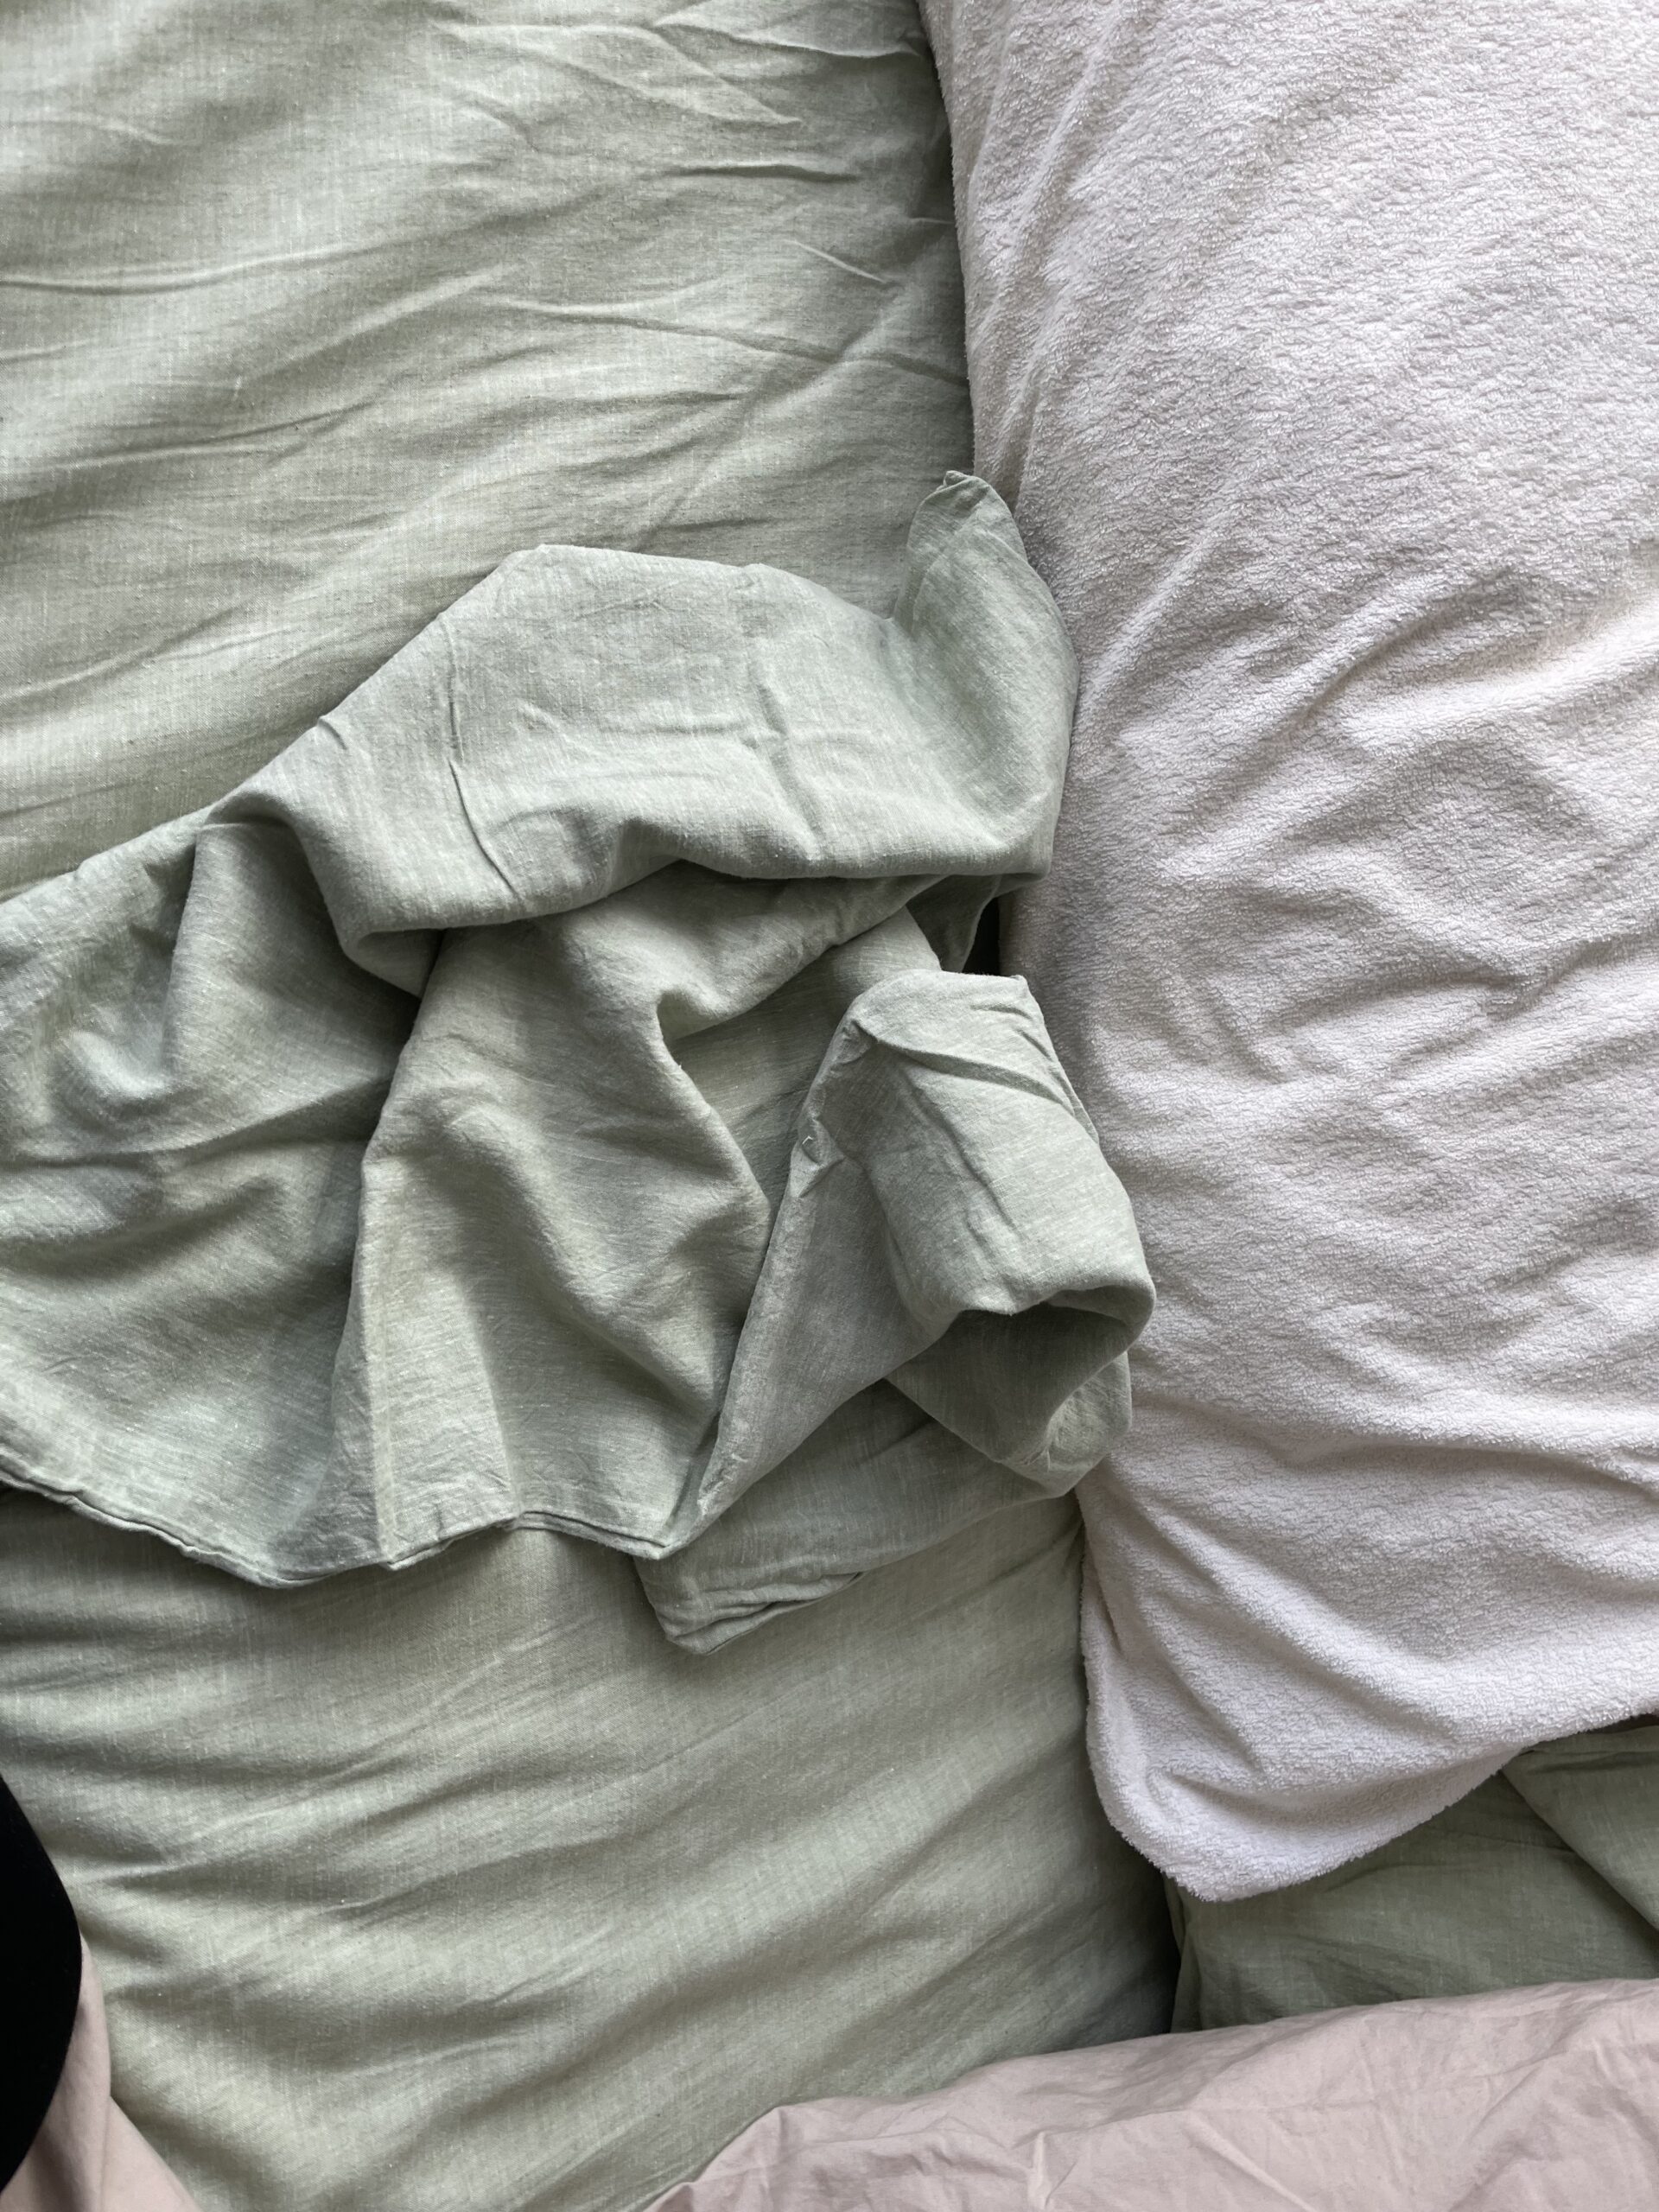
(40, 1983)
(985, 954)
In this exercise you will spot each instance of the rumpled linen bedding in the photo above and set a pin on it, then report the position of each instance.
(535, 1099)
(1317, 352)
(315, 315)
(462, 1884)
(1545, 1872)
(1537, 2101)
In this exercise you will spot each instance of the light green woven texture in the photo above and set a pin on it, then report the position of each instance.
(461, 1887)
(1544, 1873)
(537, 1100)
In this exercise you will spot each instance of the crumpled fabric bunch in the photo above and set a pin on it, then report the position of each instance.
(544, 1096)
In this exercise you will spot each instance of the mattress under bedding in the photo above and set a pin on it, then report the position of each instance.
(464, 1884)
(537, 1100)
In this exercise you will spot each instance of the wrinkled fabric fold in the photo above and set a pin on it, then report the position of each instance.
(1528, 2100)
(541, 1096)
(88, 2157)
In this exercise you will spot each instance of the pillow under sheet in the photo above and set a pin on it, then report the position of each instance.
(314, 313)
(462, 1886)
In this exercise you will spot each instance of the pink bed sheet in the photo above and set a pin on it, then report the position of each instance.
(1537, 2099)
(88, 2157)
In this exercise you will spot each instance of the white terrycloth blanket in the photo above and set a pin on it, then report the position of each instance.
(1317, 350)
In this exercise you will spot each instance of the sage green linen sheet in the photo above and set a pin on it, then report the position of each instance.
(462, 1886)
(1544, 1873)
(315, 314)
(535, 1099)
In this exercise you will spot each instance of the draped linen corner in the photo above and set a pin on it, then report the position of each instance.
(541, 1096)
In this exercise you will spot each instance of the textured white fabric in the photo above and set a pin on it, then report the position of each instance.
(1317, 350)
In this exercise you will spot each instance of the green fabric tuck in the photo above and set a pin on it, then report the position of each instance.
(414, 1142)
(1544, 1873)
